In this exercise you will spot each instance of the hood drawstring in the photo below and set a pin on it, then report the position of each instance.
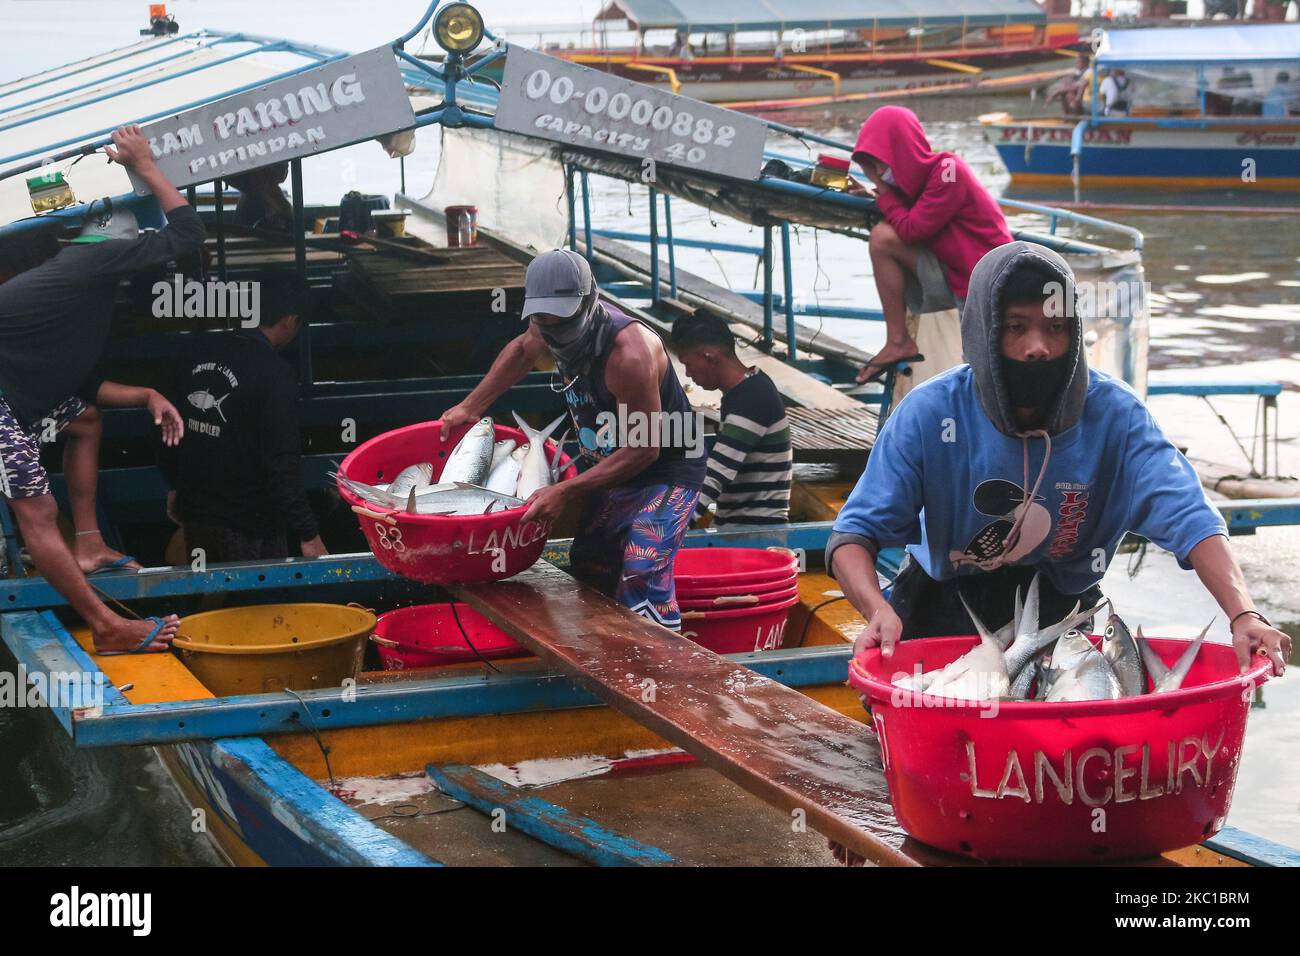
(1013, 536)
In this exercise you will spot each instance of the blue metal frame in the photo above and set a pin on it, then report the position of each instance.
(42, 645)
(554, 825)
(133, 51)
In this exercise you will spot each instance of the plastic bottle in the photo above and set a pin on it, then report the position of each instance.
(464, 230)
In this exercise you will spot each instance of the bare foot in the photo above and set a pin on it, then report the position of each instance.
(892, 352)
(92, 554)
(125, 635)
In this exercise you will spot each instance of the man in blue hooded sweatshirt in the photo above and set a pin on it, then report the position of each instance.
(1024, 461)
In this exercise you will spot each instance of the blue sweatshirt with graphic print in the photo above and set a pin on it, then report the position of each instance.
(951, 472)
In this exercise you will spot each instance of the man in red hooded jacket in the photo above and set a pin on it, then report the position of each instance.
(939, 221)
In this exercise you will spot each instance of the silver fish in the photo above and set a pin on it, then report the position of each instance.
(500, 452)
(471, 460)
(204, 400)
(559, 450)
(505, 476)
(1079, 672)
(383, 497)
(1121, 651)
(460, 499)
(535, 473)
(416, 476)
(1163, 677)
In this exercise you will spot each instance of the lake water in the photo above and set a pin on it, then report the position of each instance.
(1225, 304)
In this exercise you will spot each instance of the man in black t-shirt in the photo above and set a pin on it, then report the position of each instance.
(54, 321)
(237, 475)
(751, 465)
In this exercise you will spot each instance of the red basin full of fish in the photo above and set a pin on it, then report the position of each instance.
(441, 549)
(1027, 781)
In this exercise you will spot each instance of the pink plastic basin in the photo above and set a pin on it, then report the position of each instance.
(1062, 782)
(710, 567)
(739, 630)
(441, 549)
(427, 635)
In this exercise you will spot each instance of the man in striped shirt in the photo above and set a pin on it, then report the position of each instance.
(750, 466)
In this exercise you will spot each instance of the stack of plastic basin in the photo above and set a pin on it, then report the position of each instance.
(735, 600)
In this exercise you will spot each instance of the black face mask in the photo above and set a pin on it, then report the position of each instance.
(1034, 384)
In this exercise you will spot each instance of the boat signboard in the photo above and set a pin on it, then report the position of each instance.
(576, 105)
(347, 101)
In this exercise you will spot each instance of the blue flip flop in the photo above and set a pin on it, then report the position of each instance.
(159, 623)
(121, 562)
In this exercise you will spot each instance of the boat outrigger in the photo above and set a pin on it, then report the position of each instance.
(1214, 107)
(291, 777)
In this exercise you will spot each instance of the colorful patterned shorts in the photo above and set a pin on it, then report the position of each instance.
(21, 474)
(625, 547)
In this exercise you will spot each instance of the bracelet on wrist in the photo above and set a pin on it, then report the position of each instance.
(1252, 612)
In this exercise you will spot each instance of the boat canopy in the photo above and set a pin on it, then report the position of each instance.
(61, 110)
(1252, 43)
(736, 15)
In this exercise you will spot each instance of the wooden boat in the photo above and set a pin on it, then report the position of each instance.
(660, 776)
(253, 764)
(760, 52)
(1204, 138)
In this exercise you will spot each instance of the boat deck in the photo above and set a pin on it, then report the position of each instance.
(692, 813)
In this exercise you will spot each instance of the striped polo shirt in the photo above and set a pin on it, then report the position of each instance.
(750, 466)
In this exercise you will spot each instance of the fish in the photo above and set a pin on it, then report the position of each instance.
(559, 450)
(1163, 677)
(471, 460)
(501, 451)
(382, 496)
(416, 476)
(979, 674)
(204, 400)
(1124, 656)
(1079, 672)
(460, 499)
(535, 473)
(1000, 666)
(505, 476)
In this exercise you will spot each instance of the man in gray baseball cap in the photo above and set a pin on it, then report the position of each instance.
(637, 491)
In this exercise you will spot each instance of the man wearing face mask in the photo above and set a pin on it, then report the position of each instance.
(939, 220)
(637, 497)
(1024, 461)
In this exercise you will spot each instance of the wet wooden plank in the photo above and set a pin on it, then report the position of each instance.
(822, 767)
(552, 824)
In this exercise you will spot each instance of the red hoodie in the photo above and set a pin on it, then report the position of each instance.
(938, 202)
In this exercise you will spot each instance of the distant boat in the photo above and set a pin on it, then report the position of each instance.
(815, 48)
(1212, 108)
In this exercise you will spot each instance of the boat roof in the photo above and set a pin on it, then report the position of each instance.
(1259, 43)
(80, 103)
(737, 15)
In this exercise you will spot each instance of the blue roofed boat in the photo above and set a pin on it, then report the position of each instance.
(1211, 108)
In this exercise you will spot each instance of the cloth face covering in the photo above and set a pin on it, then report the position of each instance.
(1034, 384)
(572, 341)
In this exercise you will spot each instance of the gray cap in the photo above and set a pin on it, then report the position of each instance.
(556, 282)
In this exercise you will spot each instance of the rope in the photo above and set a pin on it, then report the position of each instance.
(311, 726)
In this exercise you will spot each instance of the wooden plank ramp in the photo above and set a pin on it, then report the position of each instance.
(774, 742)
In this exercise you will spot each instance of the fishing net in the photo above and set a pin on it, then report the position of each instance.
(516, 183)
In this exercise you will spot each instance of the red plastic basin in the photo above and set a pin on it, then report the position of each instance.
(1064, 782)
(427, 635)
(710, 567)
(739, 630)
(441, 549)
(733, 601)
(699, 591)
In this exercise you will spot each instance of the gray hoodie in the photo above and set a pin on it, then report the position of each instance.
(981, 337)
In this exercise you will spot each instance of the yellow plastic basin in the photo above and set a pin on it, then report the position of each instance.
(274, 647)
